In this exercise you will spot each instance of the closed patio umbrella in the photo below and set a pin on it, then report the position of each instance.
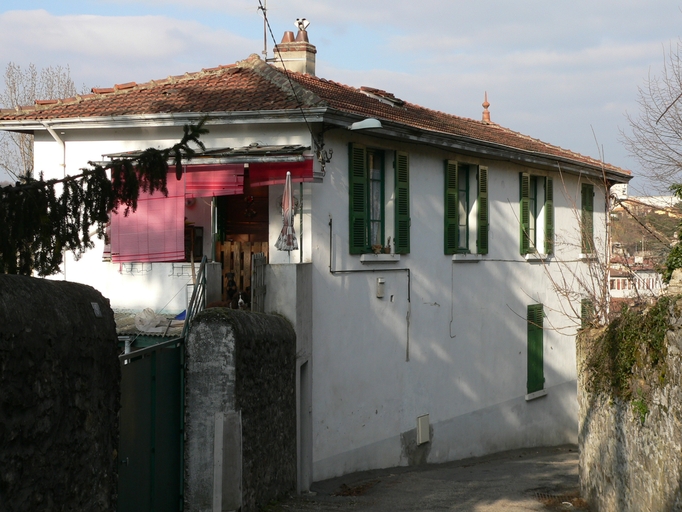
(287, 238)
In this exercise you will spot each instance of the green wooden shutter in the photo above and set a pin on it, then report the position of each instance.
(549, 216)
(402, 210)
(482, 224)
(357, 205)
(524, 214)
(450, 207)
(536, 377)
(586, 219)
(586, 312)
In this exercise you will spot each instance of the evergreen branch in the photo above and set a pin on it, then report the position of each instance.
(37, 225)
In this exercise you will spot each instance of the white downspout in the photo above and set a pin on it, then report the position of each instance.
(59, 141)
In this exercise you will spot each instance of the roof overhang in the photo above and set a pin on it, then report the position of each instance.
(165, 120)
(331, 118)
(482, 149)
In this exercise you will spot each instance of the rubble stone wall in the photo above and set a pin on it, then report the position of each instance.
(631, 451)
(59, 397)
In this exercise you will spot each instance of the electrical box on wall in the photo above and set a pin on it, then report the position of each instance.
(381, 284)
(423, 426)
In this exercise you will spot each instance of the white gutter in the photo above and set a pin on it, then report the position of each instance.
(172, 119)
(390, 130)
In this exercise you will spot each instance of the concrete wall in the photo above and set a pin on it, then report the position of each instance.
(240, 362)
(59, 397)
(290, 295)
(627, 465)
(457, 350)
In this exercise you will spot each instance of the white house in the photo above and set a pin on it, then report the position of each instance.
(464, 325)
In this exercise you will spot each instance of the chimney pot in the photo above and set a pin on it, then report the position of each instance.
(296, 55)
(302, 36)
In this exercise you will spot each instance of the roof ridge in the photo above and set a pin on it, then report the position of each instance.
(280, 79)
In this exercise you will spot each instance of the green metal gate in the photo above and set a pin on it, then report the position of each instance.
(150, 469)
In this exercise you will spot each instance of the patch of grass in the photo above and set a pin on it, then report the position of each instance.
(641, 409)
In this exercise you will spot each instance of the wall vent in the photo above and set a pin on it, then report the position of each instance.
(423, 429)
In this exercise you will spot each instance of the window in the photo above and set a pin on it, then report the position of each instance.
(466, 208)
(367, 204)
(587, 219)
(587, 312)
(537, 214)
(536, 376)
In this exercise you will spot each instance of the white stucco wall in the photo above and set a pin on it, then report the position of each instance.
(456, 350)
(465, 365)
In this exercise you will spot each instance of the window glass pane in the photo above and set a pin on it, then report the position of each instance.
(375, 192)
(375, 206)
(375, 233)
(463, 208)
(532, 207)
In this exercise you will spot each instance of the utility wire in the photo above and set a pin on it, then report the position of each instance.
(286, 71)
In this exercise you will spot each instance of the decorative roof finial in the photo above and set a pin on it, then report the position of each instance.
(486, 114)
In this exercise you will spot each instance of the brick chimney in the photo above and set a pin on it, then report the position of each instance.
(298, 54)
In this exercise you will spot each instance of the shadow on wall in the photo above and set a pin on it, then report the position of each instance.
(59, 396)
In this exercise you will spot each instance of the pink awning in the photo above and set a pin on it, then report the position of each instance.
(275, 173)
(155, 232)
(209, 180)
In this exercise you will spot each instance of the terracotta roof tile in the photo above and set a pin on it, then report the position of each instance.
(349, 99)
(253, 85)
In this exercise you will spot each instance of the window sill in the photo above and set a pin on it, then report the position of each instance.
(536, 394)
(380, 258)
(467, 258)
(535, 257)
(587, 257)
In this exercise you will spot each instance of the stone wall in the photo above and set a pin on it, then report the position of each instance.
(631, 451)
(241, 361)
(59, 397)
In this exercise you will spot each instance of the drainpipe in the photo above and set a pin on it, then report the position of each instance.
(59, 141)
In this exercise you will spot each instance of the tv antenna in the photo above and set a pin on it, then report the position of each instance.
(263, 7)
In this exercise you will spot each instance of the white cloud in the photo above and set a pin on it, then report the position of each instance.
(552, 69)
(108, 49)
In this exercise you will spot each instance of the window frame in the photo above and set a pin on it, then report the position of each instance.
(360, 199)
(529, 236)
(587, 218)
(455, 173)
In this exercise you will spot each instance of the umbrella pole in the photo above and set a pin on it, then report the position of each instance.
(300, 223)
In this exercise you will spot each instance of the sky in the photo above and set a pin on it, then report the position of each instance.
(563, 72)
